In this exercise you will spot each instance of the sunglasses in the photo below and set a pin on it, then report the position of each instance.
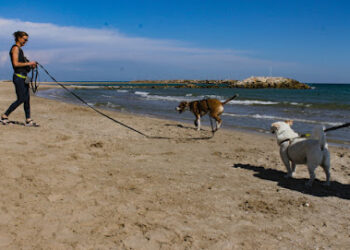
(25, 39)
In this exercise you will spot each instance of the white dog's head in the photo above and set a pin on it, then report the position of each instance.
(283, 131)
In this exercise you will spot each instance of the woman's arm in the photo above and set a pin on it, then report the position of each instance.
(16, 63)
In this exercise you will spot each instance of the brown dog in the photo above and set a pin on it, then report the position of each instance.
(201, 107)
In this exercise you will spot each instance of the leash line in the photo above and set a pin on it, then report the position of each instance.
(329, 129)
(337, 127)
(105, 115)
(96, 110)
(33, 80)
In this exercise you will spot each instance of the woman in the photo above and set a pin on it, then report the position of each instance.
(21, 67)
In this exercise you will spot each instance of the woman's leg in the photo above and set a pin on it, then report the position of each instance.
(27, 101)
(20, 92)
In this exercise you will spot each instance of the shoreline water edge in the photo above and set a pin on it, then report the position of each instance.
(254, 110)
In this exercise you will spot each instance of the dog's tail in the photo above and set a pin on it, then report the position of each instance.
(229, 99)
(319, 134)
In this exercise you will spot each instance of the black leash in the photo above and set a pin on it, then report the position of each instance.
(83, 101)
(330, 129)
(34, 84)
(337, 127)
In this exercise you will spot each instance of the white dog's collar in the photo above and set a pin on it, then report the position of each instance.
(285, 141)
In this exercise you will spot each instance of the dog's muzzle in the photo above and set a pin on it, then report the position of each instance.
(179, 110)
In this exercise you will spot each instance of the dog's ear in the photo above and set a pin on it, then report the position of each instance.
(289, 122)
(274, 127)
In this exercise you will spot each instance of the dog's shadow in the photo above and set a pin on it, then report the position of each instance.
(191, 128)
(186, 127)
(181, 126)
(335, 189)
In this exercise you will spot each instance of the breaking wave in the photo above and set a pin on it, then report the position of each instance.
(279, 118)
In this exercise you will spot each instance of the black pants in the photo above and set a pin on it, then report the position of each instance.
(23, 96)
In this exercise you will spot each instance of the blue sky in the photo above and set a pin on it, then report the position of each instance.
(199, 39)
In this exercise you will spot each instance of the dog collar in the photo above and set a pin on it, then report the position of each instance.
(285, 140)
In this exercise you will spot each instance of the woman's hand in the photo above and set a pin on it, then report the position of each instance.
(32, 64)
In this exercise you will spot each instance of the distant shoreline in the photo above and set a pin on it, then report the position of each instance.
(253, 83)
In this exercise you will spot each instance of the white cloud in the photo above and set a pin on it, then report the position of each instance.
(3, 58)
(63, 46)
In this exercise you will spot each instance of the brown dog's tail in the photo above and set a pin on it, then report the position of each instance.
(233, 97)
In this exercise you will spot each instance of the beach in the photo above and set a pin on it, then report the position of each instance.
(81, 181)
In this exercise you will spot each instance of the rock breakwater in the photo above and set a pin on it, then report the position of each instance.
(251, 82)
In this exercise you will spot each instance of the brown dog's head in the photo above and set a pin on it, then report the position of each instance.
(182, 107)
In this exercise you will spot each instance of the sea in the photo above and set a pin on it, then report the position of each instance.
(254, 110)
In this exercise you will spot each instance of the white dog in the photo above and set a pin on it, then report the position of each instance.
(296, 150)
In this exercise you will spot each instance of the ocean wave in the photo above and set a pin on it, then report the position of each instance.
(166, 98)
(122, 91)
(252, 102)
(54, 96)
(279, 118)
(108, 105)
(141, 93)
(242, 102)
(297, 104)
(149, 97)
(190, 97)
(213, 97)
(85, 87)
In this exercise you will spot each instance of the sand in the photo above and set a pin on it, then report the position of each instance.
(81, 181)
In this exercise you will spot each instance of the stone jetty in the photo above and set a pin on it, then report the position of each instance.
(251, 82)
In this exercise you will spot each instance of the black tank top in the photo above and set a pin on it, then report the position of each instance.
(21, 58)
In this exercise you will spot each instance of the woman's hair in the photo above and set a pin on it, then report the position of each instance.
(19, 34)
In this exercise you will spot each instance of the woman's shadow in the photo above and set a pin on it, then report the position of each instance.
(16, 123)
(335, 189)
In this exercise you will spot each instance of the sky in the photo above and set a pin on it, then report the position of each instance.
(122, 40)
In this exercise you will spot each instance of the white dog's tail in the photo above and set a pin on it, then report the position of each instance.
(319, 134)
